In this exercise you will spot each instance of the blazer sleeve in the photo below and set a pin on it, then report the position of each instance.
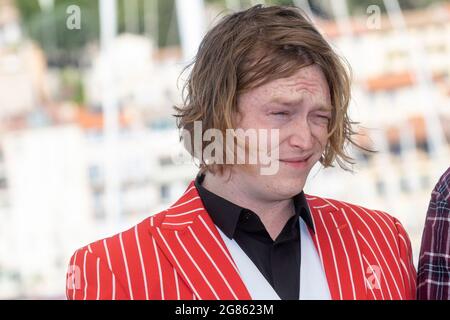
(89, 278)
(406, 261)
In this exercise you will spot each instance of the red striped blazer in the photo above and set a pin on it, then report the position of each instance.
(179, 254)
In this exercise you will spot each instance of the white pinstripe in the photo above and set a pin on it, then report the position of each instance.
(406, 270)
(196, 265)
(188, 190)
(184, 213)
(183, 203)
(161, 280)
(176, 224)
(330, 203)
(389, 246)
(403, 264)
(114, 287)
(215, 265)
(178, 264)
(379, 264)
(383, 218)
(126, 266)
(334, 255)
(84, 275)
(110, 268)
(73, 278)
(98, 279)
(354, 239)
(406, 246)
(378, 247)
(347, 258)
(317, 242)
(142, 262)
(219, 244)
(322, 206)
(69, 269)
(405, 242)
(381, 254)
(176, 283)
(376, 278)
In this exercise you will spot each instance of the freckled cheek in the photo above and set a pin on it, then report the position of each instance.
(320, 134)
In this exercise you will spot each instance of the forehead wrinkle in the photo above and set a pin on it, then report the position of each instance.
(309, 77)
(301, 96)
(307, 83)
(313, 86)
(295, 91)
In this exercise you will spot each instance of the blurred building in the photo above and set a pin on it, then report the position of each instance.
(10, 30)
(23, 68)
(405, 116)
(144, 78)
(53, 154)
(47, 207)
(52, 197)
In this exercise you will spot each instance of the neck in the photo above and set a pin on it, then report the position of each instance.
(273, 213)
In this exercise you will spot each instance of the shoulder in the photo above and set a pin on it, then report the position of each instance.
(366, 218)
(117, 262)
(441, 192)
(138, 237)
(443, 185)
(375, 229)
(107, 249)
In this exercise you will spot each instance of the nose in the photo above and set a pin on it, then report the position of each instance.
(301, 135)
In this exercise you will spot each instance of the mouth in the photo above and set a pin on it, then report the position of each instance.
(297, 162)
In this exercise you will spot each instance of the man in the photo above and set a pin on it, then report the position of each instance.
(237, 233)
(433, 279)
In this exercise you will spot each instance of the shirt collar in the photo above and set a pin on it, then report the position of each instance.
(226, 214)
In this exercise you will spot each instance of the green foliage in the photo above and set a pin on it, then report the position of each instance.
(28, 8)
(168, 27)
(72, 85)
(61, 44)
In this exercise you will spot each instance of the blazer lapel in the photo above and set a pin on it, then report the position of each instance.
(335, 240)
(191, 242)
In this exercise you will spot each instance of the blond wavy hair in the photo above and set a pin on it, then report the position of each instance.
(249, 48)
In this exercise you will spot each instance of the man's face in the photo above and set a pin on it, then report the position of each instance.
(300, 107)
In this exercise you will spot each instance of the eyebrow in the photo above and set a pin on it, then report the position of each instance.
(290, 103)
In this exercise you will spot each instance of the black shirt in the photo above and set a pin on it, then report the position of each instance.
(279, 260)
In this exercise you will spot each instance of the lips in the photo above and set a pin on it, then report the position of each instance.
(297, 162)
(296, 159)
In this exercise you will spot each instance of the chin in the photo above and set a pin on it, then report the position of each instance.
(288, 187)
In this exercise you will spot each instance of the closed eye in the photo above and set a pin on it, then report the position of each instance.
(324, 116)
(280, 113)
